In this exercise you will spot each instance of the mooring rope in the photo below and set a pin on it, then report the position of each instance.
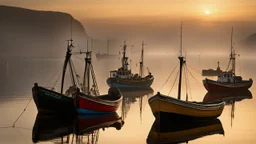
(22, 112)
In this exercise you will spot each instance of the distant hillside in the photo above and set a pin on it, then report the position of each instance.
(33, 33)
(32, 42)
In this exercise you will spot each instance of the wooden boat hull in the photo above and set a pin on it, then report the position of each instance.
(87, 104)
(164, 106)
(48, 127)
(227, 96)
(214, 86)
(51, 102)
(140, 82)
(183, 131)
(87, 123)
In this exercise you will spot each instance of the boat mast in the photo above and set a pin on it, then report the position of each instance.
(124, 59)
(88, 72)
(142, 60)
(86, 81)
(182, 61)
(232, 54)
(67, 58)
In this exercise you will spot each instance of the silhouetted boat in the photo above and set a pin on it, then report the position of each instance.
(180, 131)
(227, 96)
(89, 101)
(106, 55)
(211, 72)
(163, 106)
(51, 127)
(47, 100)
(228, 81)
(123, 77)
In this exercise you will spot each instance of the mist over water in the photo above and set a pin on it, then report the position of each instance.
(137, 122)
(37, 56)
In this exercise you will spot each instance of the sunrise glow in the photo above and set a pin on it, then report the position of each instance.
(207, 12)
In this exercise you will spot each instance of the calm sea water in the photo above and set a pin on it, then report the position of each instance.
(239, 127)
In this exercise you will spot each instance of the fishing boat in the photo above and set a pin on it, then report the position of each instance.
(106, 55)
(228, 80)
(227, 96)
(163, 106)
(48, 100)
(179, 131)
(211, 72)
(89, 100)
(123, 77)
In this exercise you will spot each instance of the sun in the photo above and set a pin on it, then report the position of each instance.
(207, 12)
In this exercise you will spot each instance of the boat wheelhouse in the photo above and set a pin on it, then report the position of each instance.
(123, 77)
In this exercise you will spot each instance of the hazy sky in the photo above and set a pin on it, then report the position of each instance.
(157, 21)
(196, 9)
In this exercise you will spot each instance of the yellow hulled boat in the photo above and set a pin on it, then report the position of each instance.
(163, 106)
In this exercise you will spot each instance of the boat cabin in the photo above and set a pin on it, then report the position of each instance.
(226, 77)
(120, 73)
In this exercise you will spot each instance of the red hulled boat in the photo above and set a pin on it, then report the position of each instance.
(228, 81)
(89, 101)
(88, 104)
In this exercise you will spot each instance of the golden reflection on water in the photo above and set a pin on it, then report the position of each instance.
(135, 109)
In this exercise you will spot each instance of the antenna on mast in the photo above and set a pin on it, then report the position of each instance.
(87, 46)
(182, 61)
(71, 27)
(181, 38)
(142, 60)
(232, 41)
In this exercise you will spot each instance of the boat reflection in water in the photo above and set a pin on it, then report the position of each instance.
(176, 131)
(229, 97)
(132, 95)
(77, 129)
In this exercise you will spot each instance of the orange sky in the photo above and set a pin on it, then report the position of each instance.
(152, 20)
(220, 10)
